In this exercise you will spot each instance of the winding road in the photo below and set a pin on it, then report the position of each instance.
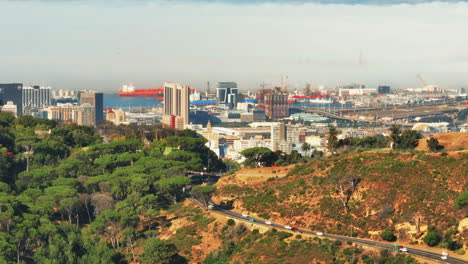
(261, 222)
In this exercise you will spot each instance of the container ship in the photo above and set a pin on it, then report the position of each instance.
(129, 90)
(158, 93)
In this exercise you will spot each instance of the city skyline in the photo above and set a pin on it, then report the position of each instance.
(100, 46)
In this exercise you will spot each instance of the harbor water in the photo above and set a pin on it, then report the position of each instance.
(127, 102)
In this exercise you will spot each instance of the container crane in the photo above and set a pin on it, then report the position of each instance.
(422, 81)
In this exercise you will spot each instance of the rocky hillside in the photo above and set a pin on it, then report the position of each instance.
(202, 236)
(364, 194)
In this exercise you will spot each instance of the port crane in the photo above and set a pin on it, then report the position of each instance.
(422, 81)
(430, 87)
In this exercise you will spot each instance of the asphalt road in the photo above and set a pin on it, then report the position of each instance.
(413, 251)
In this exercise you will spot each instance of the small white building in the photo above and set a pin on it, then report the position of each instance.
(313, 141)
(440, 127)
(10, 107)
(464, 127)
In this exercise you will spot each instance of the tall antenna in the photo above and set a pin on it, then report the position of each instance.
(360, 64)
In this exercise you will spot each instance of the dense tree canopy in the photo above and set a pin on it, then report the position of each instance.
(57, 179)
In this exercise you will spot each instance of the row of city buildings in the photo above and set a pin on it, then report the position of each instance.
(38, 102)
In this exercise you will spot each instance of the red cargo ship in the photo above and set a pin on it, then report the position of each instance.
(129, 90)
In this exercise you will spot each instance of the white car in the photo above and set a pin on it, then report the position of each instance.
(268, 222)
(403, 249)
(319, 234)
(444, 253)
(288, 227)
(444, 257)
(210, 207)
(245, 215)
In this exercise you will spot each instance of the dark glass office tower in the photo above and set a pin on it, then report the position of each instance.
(12, 92)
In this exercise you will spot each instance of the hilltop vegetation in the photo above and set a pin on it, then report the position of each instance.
(65, 197)
(411, 196)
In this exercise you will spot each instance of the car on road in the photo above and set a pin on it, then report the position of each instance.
(288, 227)
(294, 228)
(444, 257)
(210, 207)
(268, 222)
(319, 234)
(402, 249)
(252, 220)
(245, 215)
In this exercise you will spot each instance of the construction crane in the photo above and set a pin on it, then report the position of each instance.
(284, 87)
(430, 87)
(422, 81)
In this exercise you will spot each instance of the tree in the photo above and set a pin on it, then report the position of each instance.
(7, 248)
(433, 144)
(6, 119)
(173, 186)
(203, 193)
(395, 136)
(388, 236)
(6, 164)
(97, 253)
(305, 147)
(157, 251)
(409, 139)
(64, 246)
(432, 238)
(259, 157)
(332, 138)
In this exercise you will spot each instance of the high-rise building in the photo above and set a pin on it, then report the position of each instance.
(96, 100)
(227, 93)
(383, 89)
(86, 115)
(12, 92)
(63, 112)
(292, 134)
(82, 115)
(278, 134)
(36, 97)
(176, 105)
(274, 102)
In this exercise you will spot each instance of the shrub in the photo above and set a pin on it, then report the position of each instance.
(388, 236)
(231, 222)
(461, 200)
(283, 235)
(432, 238)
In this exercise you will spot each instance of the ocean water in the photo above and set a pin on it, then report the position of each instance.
(127, 102)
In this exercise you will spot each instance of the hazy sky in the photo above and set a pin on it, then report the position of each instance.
(101, 45)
